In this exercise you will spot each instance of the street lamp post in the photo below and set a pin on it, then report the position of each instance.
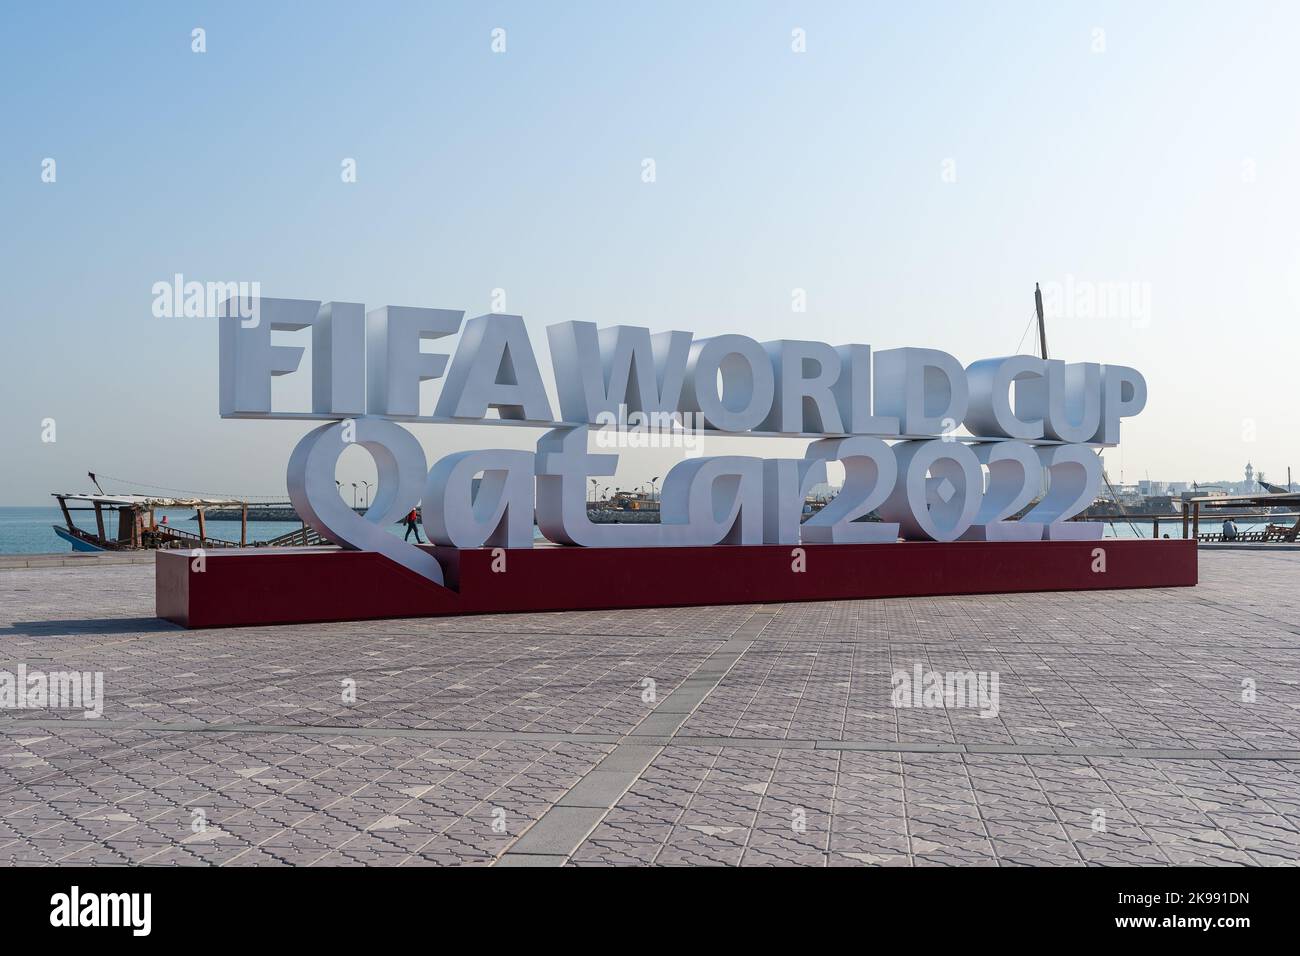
(365, 501)
(653, 481)
(354, 496)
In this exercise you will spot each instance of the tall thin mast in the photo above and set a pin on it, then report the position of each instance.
(1042, 329)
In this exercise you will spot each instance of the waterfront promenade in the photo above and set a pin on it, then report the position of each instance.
(1131, 727)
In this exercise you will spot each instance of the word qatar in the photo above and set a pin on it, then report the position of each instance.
(1026, 417)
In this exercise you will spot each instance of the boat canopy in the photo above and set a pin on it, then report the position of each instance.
(1262, 500)
(149, 501)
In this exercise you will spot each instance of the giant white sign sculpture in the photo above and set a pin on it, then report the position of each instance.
(1024, 418)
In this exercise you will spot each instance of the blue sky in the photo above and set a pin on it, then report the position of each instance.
(1169, 158)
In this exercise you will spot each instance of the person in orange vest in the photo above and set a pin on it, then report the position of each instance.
(412, 524)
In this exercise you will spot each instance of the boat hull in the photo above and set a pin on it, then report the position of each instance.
(78, 544)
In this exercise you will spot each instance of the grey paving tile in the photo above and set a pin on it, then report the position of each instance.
(559, 832)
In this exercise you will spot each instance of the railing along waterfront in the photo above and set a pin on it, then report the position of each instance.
(1191, 521)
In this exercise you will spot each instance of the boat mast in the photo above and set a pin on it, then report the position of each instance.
(1042, 329)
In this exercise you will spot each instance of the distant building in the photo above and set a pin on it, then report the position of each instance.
(824, 490)
(634, 501)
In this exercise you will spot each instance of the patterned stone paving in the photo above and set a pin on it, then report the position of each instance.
(715, 805)
(247, 799)
(1123, 732)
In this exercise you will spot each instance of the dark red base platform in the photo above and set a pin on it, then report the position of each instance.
(297, 586)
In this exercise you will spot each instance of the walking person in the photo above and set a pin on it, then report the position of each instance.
(412, 524)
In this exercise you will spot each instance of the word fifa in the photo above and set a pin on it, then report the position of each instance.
(103, 909)
(1028, 419)
(58, 690)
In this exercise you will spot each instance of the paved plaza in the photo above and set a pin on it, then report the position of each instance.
(1130, 727)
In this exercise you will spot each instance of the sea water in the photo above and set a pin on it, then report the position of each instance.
(30, 531)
